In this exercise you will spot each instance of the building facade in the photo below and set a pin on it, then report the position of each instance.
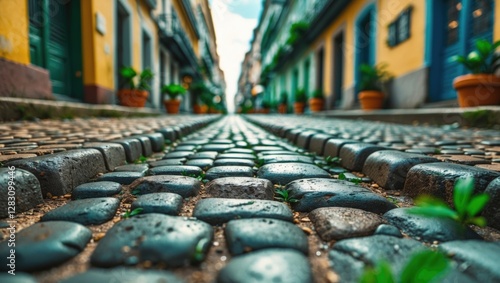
(320, 45)
(73, 49)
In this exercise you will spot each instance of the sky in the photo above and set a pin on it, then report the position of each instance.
(234, 21)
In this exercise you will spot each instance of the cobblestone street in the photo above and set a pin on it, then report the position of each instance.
(255, 198)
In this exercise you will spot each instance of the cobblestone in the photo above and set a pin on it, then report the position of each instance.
(276, 223)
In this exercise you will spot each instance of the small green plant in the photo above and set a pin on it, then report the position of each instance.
(296, 32)
(300, 95)
(284, 196)
(133, 213)
(173, 91)
(467, 205)
(483, 60)
(141, 160)
(200, 177)
(130, 77)
(330, 160)
(318, 94)
(356, 181)
(423, 267)
(373, 77)
(199, 254)
(266, 104)
(259, 162)
(284, 98)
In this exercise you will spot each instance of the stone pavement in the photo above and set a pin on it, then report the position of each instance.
(237, 199)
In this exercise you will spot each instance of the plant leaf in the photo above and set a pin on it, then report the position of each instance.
(434, 211)
(426, 200)
(382, 273)
(477, 204)
(484, 47)
(478, 221)
(424, 267)
(462, 193)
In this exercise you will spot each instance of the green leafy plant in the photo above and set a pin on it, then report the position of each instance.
(467, 205)
(284, 98)
(373, 77)
(199, 253)
(259, 162)
(318, 94)
(266, 104)
(300, 95)
(131, 76)
(423, 267)
(356, 181)
(330, 160)
(173, 90)
(132, 213)
(200, 177)
(297, 31)
(284, 196)
(483, 60)
(141, 160)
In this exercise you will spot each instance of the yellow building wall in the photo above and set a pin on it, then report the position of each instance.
(14, 31)
(496, 28)
(401, 59)
(98, 49)
(347, 21)
(408, 55)
(183, 18)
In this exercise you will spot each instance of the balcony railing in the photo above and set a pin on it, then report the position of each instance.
(175, 38)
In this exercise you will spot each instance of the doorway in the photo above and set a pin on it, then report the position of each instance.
(122, 41)
(338, 69)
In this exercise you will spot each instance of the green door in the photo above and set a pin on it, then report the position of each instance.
(55, 43)
(58, 61)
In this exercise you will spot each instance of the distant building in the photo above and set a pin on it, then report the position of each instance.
(415, 38)
(73, 49)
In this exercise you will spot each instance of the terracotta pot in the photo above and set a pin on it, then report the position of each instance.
(172, 106)
(371, 99)
(282, 108)
(477, 90)
(133, 97)
(316, 104)
(265, 110)
(200, 109)
(299, 107)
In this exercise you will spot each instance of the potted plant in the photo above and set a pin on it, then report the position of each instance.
(283, 105)
(300, 101)
(203, 97)
(136, 94)
(173, 91)
(371, 84)
(265, 107)
(317, 101)
(481, 86)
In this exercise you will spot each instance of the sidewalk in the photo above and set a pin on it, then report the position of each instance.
(486, 116)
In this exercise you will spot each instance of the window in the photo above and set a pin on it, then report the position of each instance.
(482, 16)
(399, 29)
(453, 21)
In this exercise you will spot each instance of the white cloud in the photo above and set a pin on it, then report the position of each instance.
(234, 33)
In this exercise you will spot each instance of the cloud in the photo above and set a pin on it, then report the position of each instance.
(234, 33)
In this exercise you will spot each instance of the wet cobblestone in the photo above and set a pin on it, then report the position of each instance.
(239, 199)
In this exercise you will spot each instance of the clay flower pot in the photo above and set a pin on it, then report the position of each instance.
(299, 107)
(172, 106)
(316, 104)
(200, 109)
(133, 97)
(282, 108)
(371, 99)
(477, 89)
